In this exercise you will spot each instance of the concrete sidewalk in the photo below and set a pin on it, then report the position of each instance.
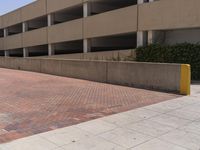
(170, 125)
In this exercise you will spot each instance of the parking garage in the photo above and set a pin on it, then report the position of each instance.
(15, 29)
(115, 42)
(101, 6)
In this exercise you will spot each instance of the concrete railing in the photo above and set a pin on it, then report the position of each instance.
(167, 77)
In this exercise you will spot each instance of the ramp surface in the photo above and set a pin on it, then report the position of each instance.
(32, 103)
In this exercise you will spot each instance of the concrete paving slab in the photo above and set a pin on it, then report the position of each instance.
(165, 107)
(193, 127)
(183, 138)
(131, 116)
(125, 137)
(96, 127)
(171, 121)
(65, 135)
(95, 143)
(185, 114)
(157, 144)
(150, 128)
(31, 143)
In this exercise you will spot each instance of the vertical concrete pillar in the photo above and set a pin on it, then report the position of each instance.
(51, 50)
(87, 45)
(86, 13)
(140, 1)
(140, 34)
(6, 53)
(151, 34)
(24, 27)
(5, 32)
(25, 52)
(141, 38)
(50, 19)
(156, 37)
(150, 37)
(86, 9)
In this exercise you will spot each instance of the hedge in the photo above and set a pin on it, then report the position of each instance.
(184, 53)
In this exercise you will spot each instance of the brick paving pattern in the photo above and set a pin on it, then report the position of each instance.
(32, 103)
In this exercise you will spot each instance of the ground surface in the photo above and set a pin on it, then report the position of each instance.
(168, 125)
(32, 103)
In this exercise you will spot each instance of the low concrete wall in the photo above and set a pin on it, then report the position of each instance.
(144, 75)
(106, 55)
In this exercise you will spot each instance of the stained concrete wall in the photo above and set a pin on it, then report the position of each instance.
(144, 75)
(112, 22)
(169, 14)
(107, 55)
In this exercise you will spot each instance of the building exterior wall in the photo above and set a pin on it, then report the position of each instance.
(157, 15)
(73, 30)
(110, 23)
(35, 37)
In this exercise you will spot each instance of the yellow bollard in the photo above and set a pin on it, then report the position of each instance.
(185, 79)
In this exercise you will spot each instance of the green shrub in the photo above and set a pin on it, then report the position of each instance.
(184, 53)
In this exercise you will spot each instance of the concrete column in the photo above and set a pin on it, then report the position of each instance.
(25, 52)
(6, 53)
(140, 34)
(86, 45)
(141, 38)
(156, 37)
(24, 27)
(5, 32)
(50, 19)
(86, 13)
(86, 9)
(140, 1)
(150, 37)
(51, 50)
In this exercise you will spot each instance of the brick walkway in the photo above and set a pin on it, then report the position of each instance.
(32, 103)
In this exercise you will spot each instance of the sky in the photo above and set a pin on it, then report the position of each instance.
(10, 5)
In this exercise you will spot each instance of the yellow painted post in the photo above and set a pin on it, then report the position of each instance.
(185, 79)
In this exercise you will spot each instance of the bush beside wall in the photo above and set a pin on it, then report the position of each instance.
(184, 53)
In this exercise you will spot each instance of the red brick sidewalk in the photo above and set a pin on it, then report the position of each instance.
(32, 103)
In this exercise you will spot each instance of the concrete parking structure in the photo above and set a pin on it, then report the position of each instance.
(49, 27)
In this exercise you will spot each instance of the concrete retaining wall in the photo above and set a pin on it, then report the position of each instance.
(144, 75)
(106, 55)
